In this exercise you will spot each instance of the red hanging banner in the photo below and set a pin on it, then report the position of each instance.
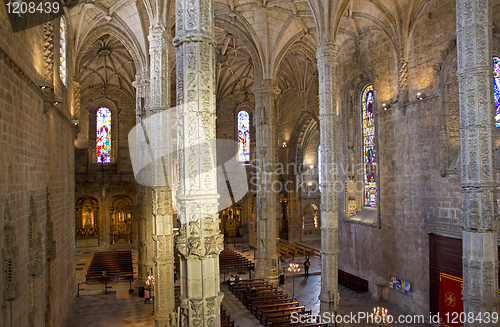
(451, 306)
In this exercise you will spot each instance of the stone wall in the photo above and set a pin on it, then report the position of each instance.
(117, 177)
(36, 156)
(412, 189)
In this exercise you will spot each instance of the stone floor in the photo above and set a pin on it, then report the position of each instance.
(94, 309)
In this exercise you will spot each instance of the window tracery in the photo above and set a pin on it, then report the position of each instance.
(103, 137)
(369, 151)
(62, 51)
(243, 136)
(496, 88)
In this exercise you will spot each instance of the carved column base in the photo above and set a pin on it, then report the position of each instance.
(480, 271)
(165, 320)
(268, 269)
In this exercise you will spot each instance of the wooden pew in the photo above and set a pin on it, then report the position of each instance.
(282, 317)
(270, 312)
(116, 264)
(311, 250)
(261, 308)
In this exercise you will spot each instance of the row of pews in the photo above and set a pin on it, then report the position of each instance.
(268, 304)
(232, 260)
(229, 260)
(288, 250)
(108, 265)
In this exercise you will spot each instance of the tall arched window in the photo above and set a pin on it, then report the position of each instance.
(369, 153)
(103, 137)
(62, 50)
(496, 88)
(243, 136)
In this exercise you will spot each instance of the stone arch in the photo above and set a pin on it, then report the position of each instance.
(351, 200)
(308, 124)
(450, 114)
(311, 222)
(121, 217)
(244, 33)
(295, 44)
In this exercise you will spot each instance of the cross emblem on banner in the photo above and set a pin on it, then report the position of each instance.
(450, 299)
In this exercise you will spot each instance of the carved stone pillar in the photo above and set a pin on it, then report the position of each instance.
(267, 206)
(48, 53)
(403, 78)
(77, 98)
(162, 220)
(326, 55)
(200, 240)
(479, 218)
(144, 257)
(10, 273)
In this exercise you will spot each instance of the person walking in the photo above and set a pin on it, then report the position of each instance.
(306, 267)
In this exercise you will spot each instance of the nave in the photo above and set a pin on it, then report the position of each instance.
(94, 308)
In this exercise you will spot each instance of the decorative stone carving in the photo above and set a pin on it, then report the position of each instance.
(10, 258)
(403, 78)
(199, 242)
(268, 205)
(48, 52)
(479, 219)
(163, 238)
(50, 254)
(34, 242)
(329, 295)
(50, 244)
(77, 87)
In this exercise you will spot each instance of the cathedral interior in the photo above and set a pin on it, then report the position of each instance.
(361, 133)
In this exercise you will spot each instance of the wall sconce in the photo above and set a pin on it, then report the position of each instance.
(43, 84)
(386, 106)
(57, 100)
(284, 145)
(311, 166)
(75, 122)
(421, 96)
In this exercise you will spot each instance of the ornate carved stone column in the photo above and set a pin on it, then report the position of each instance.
(200, 240)
(326, 55)
(162, 220)
(144, 261)
(77, 98)
(479, 218)
(267, 204)
(403, 78)
(48, 53)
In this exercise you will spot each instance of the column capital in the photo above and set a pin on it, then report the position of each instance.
(157, 30)
(326, 52)
(140, 83)
(266, 85)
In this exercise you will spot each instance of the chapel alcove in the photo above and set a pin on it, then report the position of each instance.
(310, 222)
(87, 222)
(121, 212)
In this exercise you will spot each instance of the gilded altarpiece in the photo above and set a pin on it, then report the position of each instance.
(86, 215)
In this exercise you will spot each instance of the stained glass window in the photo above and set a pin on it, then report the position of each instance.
(496, 88)
(103, 141)
(369, 153)
(62, 51)
(243, 136)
